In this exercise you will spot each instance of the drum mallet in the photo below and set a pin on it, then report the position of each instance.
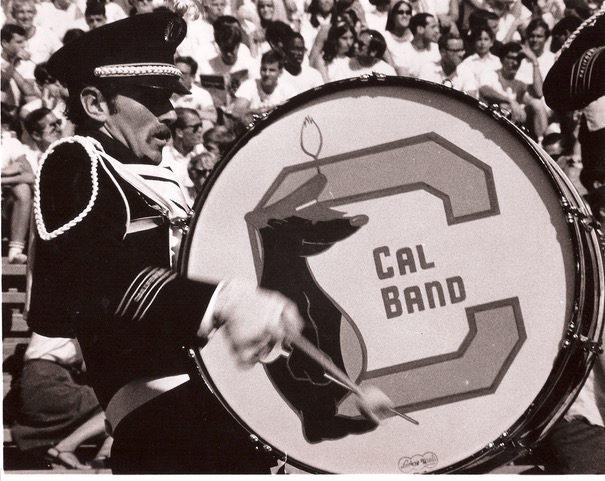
(372, 401)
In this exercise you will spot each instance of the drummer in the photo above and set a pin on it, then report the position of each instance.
(106, 220)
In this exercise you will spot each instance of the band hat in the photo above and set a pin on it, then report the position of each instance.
(137, 50)
(578, 76)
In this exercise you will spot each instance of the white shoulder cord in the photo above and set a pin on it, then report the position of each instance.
(94, 155)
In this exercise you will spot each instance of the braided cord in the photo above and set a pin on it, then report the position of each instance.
(94, 157)
(586, 23)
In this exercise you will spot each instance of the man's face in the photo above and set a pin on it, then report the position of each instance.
(431, 31)
(266, 9)
(363, 48)
(15, 47)
(215, 8)
(228, 53)
(49, 130)
(187, 78)
(269, 73)
(295, 51)
(191, 133)
(141, 121)
(95, 21)
(510, 64)
(536, 40)
(24, 15)
(454, 52)
(483, 43)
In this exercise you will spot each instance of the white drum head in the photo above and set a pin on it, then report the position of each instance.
(453, 285)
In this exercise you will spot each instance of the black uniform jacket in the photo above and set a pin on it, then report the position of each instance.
(83, 275)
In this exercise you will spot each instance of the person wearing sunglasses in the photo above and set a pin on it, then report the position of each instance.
(448, 71)
(397, 30)
(187, 139)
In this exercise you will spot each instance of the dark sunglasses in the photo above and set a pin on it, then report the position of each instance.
(404, 12)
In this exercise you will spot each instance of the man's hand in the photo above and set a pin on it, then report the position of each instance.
(255, 320)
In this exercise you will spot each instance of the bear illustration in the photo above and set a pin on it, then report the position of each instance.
(291, 230)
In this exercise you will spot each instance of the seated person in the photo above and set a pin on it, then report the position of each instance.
(523, 101)
(199, 169)
(480, 41)
(297, 72)
(233, 61)
(58, 411)
(199, 99)
(257, 96)
(17, 199)
(219, 140)
(449, 70)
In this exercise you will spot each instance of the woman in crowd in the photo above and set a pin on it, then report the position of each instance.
(318, 14)
(338, 49)
(398, 28)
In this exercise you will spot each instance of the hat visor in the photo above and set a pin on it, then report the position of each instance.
(158, 82)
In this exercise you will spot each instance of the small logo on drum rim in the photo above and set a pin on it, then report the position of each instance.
(418, 463)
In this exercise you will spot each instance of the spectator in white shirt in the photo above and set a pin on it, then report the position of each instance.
(18, 85)
(59, 16)
(537, 34)
(41, 42)
(376, 17)
(422, 48)
(481, 40)
(448, 71)
(368, 59)
(199, 99)
(199, 41)
(298, 73)
(257, 96)
(522, 100)
(397, 30)
(186, 144)
(337, 51)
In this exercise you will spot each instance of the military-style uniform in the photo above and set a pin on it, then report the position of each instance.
(102, 271)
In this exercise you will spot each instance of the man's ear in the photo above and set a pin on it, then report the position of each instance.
(94, 104)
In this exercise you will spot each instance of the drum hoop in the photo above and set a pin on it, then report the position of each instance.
(476, 462)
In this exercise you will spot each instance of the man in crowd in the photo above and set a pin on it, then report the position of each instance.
(422, 48)
(448, 70)
(186, 143)
(368, 59)
(103, 261)
(199, 99)
(18, 85)
(256, 96)
(41, 41)
(95, 14)
(522, 100)
(297, 73)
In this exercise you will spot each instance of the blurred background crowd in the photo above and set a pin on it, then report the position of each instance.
(242, 58)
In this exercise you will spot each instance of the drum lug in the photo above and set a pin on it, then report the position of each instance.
(587, 344)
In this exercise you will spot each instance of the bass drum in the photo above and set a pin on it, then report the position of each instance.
(435, 252)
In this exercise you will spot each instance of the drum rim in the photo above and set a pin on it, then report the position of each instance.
(497, 452)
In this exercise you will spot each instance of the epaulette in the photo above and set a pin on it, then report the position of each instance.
(90, 149)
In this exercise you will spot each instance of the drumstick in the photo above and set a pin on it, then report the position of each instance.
(334, 373)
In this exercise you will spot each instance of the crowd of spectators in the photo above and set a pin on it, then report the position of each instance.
(241, 58)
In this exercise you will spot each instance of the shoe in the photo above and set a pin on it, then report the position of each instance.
(64, 459)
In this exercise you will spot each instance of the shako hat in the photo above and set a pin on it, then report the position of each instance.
(137, 50)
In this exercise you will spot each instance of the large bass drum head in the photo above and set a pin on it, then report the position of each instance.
(424, 242)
